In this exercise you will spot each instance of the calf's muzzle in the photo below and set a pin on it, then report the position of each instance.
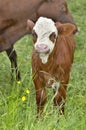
(42, 48)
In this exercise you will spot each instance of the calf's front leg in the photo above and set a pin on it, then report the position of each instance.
(40, 100)
(59, 98)
(40, 96)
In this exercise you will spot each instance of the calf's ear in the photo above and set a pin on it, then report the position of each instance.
(65, 29)
(30, 25)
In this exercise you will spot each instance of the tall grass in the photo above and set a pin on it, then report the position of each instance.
(18, 114)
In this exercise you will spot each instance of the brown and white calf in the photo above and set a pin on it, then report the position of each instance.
(52, 58)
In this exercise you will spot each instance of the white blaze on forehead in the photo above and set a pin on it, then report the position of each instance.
(44, 27)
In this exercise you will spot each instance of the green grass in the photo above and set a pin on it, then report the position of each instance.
(18, 115)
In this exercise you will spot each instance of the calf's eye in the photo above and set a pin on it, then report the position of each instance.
(34, 37)
(53, 37)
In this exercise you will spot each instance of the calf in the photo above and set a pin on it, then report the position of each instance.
(52, 58)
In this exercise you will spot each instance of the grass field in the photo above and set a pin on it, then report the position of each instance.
(17, 100)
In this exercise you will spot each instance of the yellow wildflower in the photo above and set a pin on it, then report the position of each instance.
(23, 98)
(27, 91)
(18, 82)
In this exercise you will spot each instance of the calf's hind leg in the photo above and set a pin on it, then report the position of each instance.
(13, 59)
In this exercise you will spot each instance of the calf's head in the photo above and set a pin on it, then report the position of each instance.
(45, 34)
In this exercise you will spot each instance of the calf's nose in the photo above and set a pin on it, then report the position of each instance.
(42, 48)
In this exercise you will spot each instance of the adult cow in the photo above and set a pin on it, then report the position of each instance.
(13, 17)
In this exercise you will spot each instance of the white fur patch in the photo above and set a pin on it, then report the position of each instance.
(56, 85)
(44, 58)
(43, 28)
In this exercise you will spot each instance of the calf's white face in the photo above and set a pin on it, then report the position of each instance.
(46, 33)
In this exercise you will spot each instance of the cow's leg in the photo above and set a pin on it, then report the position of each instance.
(40, 93)
(40, 96)
(59, 98)
(13, 58)
(40, 100)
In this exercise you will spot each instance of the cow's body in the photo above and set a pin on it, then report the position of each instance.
(51, 59)
(13, 19)
(14, 14)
